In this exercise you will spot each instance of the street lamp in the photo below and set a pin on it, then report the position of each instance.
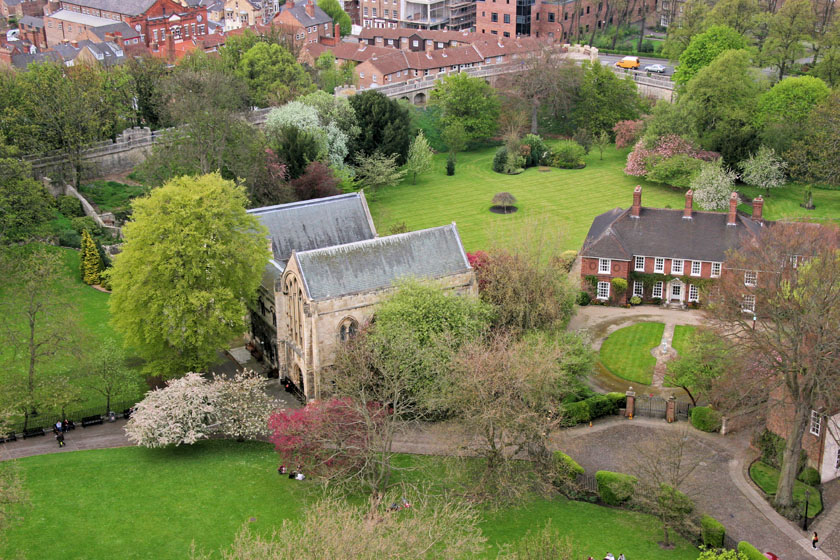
(754, 320)
(805, 521)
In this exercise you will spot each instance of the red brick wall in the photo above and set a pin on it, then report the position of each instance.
(618, 269)
(779, 414)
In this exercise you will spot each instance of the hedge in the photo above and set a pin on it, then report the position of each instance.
(615, 488)
(567, 468)
(599, 405)
(810, 476)
(712, 531)
(705, 419)
(576, 413)
(618, 400)
(751, 552)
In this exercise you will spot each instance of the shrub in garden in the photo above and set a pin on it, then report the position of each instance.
(450, 166)
(568, 154)
(500, 160)
(810, 476)
(599, 405)
(575, 413)
(538, 152)
(85, 223)
(70, 206)
(615, 488)
(712, 531)
(567, 468)
(635, 300)
(627, 133)
(618, 400)
(585, 138)
(567, 258)
(69, 238)
(750, 552)
(619, 286)
(677, 171)
(583, 298)
(643, 157)
(705, 419)
(772, 447)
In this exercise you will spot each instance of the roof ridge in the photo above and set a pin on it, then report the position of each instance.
(302, 203)
(388, 239)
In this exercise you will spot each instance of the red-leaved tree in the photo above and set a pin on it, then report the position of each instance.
(317, 181)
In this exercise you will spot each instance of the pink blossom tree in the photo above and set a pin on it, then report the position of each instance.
(627, 132)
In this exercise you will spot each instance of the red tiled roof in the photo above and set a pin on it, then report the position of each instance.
(441, 58)
(439, 36)
(359, 52)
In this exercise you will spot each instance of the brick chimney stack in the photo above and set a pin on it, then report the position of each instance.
(733, 209)
(689, 203)
(758, 208)
(310, 9)
(337, 30)
(290, 4)
(637, 202)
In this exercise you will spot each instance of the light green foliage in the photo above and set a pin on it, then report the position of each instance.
(604, 99)
(602, 140)
(615, 488)
(814, 158)
(712, 532)
(791, 100)
(25, 205)
(454, 135)
(715, 554)
(704, 356)
(736, 14)
(91, 262)
(338, 15)
(789, 27)
(567, 154)
(470, 101)
(677, 171)
(107, 374)
(763, 169)
(332, 75)
(704, 48)
(721, 103)
(619, 286)
(691, 22)
(377, 170)
(749, 552)
(705, 419)
(273, 75)
(567, 468)
(192, 259)
(828, 67)
(419, 156)
(236, 46)
(333, 110)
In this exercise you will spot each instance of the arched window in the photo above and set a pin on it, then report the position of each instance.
(294, 309)
(347, 329)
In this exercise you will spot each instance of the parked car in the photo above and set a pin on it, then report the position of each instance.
(656, 68)
(771, 556)
(629, 62)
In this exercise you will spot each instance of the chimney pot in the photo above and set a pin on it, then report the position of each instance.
(733, 209)
(758, 208)
(310, 9)
(637, 202)
(689, 202)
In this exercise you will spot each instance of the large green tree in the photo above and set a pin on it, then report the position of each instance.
(384, 126)
(814, 159)
(604, 99)
(25, 205)
(338, 15)
(469, 100)
(788, 29)
(273, 74)
(737, 14)
(148, 74)
(704, 48)
(330, 75)
(689, 23)
(192, 260)
(784, 109)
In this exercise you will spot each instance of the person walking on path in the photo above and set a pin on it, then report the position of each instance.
(59, 437)
(815, 539)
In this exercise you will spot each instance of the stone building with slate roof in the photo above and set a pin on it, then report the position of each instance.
(664, 255)
(329, 270)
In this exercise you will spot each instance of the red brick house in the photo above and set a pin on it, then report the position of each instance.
(308, 22)
(664, 255)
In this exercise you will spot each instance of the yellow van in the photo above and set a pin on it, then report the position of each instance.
(631, 62)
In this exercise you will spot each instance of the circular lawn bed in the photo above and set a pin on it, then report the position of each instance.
(626, 352)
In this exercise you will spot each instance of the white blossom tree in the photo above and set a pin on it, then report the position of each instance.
(243, 405)
(184, 411)
(331, 138)
(419, 156)
(764, 169)
(713, 185)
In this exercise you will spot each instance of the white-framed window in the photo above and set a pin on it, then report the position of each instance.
(715, 270)
(696, 267)
(677, 266)
(750, 278)
(816, 423)
(659, 265)
(638, 289)
(373, 77)
(415, 43)
(693, 293)
(603, 266)
(640, 263)
(361, 74)
(749, 304)
(603, 290)
(657, 290)
(793, 261)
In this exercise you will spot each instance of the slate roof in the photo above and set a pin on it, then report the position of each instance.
(125, 7)
(377, 263)
(662, 232)
(32, 21)
(119, 28)
(299, 13)
(24, 60)
(317, 223)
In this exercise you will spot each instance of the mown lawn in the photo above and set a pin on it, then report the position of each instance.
(563, 200)
(767, 479)
(137, 503)
(682, 333)
(626, 352)
(108, 196)
(93, 318)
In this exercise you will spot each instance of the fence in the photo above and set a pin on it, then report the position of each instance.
(47, 420)
(656, 407)
(587, 483)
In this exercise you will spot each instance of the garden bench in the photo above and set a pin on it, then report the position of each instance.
(33, 432)
(91, 420)
(127, 413)
(8, 437)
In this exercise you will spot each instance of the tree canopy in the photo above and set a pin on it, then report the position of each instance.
(605, 99)
(384, 126)
(469, 100)
(192, 260)
(704, 48)
(273, 75)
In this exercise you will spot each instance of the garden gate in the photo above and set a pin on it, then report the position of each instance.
(650, 406)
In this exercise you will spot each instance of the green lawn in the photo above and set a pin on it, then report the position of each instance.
(564, 200)
(110, 195)
(153, 503)
(93, 317)
(681, 335)
(767, 479)
(784, 203)
(626, 352)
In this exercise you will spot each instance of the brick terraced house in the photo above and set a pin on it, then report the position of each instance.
(664, 255)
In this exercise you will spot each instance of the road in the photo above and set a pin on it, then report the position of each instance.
(611, 59)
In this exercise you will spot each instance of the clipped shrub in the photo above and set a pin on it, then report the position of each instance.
(568, 154)
(70, 206)
(85, 223)
(635, 300)
(705, 419)
(599, 405)
(450, 166)
(567, 468)
(537, 153)
(69, 238)
(677, 171)
(810, 476)
(751, 552)
(500, 160)
(712, 531)
(575, 413)
(619, 286)
(583, 298)
(567, 259)
(772, 447)
(617, 400)
(615, 488)
(580, 393)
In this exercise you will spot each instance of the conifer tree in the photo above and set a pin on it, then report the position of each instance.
(83, 256)
(91, 261)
